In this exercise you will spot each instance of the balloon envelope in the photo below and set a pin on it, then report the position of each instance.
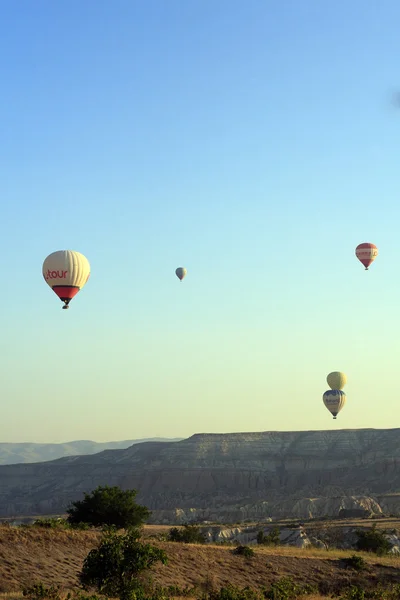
(366, 253)
(334, 401)
(336, 380)
(180, 272)
(66, 272)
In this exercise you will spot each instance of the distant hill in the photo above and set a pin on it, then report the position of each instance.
(24, 452)
(226, 478)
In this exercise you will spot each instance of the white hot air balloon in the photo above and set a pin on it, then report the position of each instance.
(334, 401)
(66, 272)
(180, 272)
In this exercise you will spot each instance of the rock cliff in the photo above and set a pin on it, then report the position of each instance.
(225, 477)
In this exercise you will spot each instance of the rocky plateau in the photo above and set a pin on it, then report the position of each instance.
(227, 478)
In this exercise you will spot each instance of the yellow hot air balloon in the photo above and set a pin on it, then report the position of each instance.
(66, 272)
(336, 380)
(334, 401)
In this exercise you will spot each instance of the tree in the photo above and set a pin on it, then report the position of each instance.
(372, 540)
(114, 568)
(190, 534)
(271, 539)
(108, 506)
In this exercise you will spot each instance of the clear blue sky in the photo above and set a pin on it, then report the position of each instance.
(256, 144)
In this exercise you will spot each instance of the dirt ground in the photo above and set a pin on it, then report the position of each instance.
(29, 555)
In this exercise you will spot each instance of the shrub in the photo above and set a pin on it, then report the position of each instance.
(355, 562)
(81, 596)
(271, 539)
(108, 506)
(287, 589)
(373, 540)
(52, 523)
(115, 567)
(231, 592)
(39, 591)
(190, 534)
(354, 593)
(172, 591)
(58, 523)
(244, 551)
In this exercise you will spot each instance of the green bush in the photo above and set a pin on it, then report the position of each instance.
(355, 562)
(39, 591)
(287, 589)
(108, 506)
(189, 534)
(244, 551)
(173, 591)
(58, 523)
(373, 540)
(354, 593)
(388, 593)
(271, 539)
(81, 596)
(115, 567)
(231, 592)
(52, 523)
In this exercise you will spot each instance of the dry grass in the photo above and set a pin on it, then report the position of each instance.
(33, 554)
(29, 555)
(311, 552)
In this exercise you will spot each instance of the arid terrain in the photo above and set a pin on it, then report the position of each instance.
(31, 554)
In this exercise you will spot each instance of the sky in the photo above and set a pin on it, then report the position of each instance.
(256, 144)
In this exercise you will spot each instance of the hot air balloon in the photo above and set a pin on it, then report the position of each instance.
(180, 272)
(366, 253)
(336, 380)
(66, 272)
(334, 401)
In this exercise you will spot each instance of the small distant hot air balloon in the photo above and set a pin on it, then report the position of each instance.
(336, 380)
(66, 272)
(180, 272)
(366, 253)
(334, 401)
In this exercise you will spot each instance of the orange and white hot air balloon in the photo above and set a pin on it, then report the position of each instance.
(366, 253)
(66, 272)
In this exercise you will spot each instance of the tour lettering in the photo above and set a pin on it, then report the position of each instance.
(55, 274)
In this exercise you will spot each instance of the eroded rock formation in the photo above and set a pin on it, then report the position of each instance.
(225, 477)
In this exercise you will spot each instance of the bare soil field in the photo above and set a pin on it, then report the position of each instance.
(30, 554)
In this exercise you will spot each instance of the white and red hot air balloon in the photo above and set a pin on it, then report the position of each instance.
(366, 253)
(66, 272)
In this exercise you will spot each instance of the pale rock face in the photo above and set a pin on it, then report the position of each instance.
(332, 537)
(319, 543)
(224, 477)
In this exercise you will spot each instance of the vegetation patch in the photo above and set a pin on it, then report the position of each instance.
(245, 551)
